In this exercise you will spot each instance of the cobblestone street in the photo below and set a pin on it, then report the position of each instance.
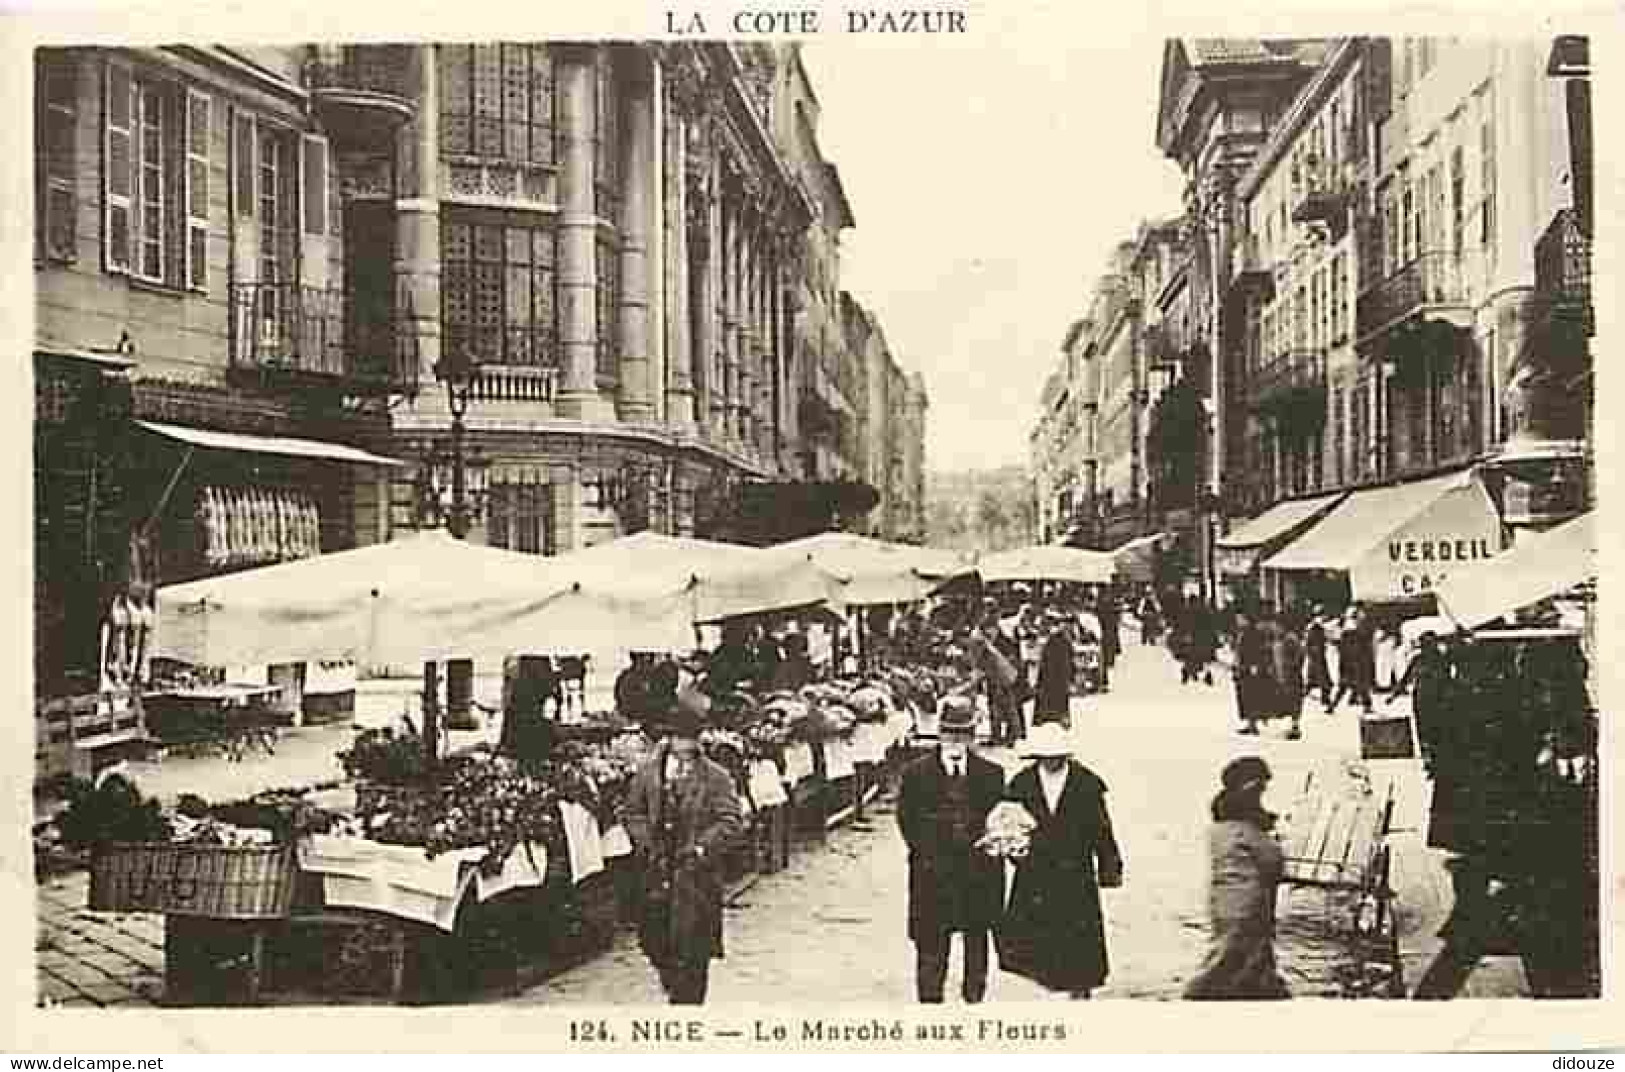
(830, 928)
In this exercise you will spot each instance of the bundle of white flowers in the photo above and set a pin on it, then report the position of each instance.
(1009, 831)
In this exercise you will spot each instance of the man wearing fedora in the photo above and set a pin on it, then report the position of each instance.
(953, 886)
(682, 812)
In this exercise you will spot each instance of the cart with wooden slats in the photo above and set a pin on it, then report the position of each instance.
(1338, 842)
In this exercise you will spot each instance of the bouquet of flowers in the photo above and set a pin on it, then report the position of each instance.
(1009, 831)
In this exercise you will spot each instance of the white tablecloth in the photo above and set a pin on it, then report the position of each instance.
(401, 881)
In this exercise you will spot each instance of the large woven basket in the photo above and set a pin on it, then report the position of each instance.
(215, 881)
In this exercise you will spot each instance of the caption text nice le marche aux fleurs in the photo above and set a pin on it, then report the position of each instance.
(801, 1031)
(806, 22)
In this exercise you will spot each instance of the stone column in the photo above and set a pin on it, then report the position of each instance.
(680, 349)
(577, 237)
(709, 350)
(729, 388)
(654, 192)
(417, 212)
(747, 331)
(637, 164)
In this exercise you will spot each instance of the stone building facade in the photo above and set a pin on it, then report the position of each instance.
(1392, 263)
(256, 269)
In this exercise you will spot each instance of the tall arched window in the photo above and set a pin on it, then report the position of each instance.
(496, 102)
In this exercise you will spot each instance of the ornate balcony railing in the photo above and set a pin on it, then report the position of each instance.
(1291, 378)
(515, 383)
(1563, 268)
(1250, 271)
(323, 334)
(362, 91)
(1319, 195)
(1432, 282)
(379, 69)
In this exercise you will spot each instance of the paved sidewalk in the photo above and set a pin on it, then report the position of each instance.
(90, 959)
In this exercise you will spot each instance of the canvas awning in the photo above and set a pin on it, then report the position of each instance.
(287, 446)
(1135, 559)
(873, 571)
(719, 580)
(1239, 551)
(1400, 542)
(1543, 565)
(424, 596)
(1048, 563)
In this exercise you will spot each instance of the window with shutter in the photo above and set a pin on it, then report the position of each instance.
(315, 187)
(119, 168)
(198, 126)
(57, 93)
(243, 160)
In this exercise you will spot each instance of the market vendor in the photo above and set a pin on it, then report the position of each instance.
(732, 663)
(634, 688)
(682, 813)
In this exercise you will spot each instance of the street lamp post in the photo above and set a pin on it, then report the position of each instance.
(459, 372)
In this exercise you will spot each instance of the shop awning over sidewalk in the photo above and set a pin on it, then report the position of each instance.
(287, 446)
(1398, 543)
(1239, 551)
(1543, 565)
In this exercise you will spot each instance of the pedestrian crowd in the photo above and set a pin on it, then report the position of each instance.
(1049, 825)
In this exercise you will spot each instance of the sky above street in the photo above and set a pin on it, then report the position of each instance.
(990, 181)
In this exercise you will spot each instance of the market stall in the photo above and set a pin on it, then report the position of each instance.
(1048, 563)
(426, 863)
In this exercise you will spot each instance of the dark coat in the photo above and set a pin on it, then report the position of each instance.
(708, 817)
(949, 890)
(1053, 688)
(1053, 931)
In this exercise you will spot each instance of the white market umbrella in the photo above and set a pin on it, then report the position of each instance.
(874, 571)
(1540, 566)
(420, 597)
(1048, 563)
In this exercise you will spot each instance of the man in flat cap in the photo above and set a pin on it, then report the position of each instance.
(952, 885)
(682, 813)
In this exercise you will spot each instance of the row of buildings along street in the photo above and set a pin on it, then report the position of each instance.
(1381, 275)
(288, 297)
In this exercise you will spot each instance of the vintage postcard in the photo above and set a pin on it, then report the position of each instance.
(823, 527)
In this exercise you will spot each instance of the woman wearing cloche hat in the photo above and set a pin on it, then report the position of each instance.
(1053, 931)
(1246, 864)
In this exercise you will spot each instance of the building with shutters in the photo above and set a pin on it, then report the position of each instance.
(256, 268)
(215, 351)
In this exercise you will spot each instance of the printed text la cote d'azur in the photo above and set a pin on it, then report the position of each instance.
(809, 21)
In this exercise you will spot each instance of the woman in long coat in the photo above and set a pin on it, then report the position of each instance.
(1053, 930)
(1052, 692)
(1245, 867)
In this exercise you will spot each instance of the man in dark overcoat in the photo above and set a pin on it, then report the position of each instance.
(682, 812)
(952, 885)
(1053, 931)
(1052, 692)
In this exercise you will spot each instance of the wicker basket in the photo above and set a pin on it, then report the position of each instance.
(216, 881)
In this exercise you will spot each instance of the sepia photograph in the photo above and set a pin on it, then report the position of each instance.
(813, 509)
